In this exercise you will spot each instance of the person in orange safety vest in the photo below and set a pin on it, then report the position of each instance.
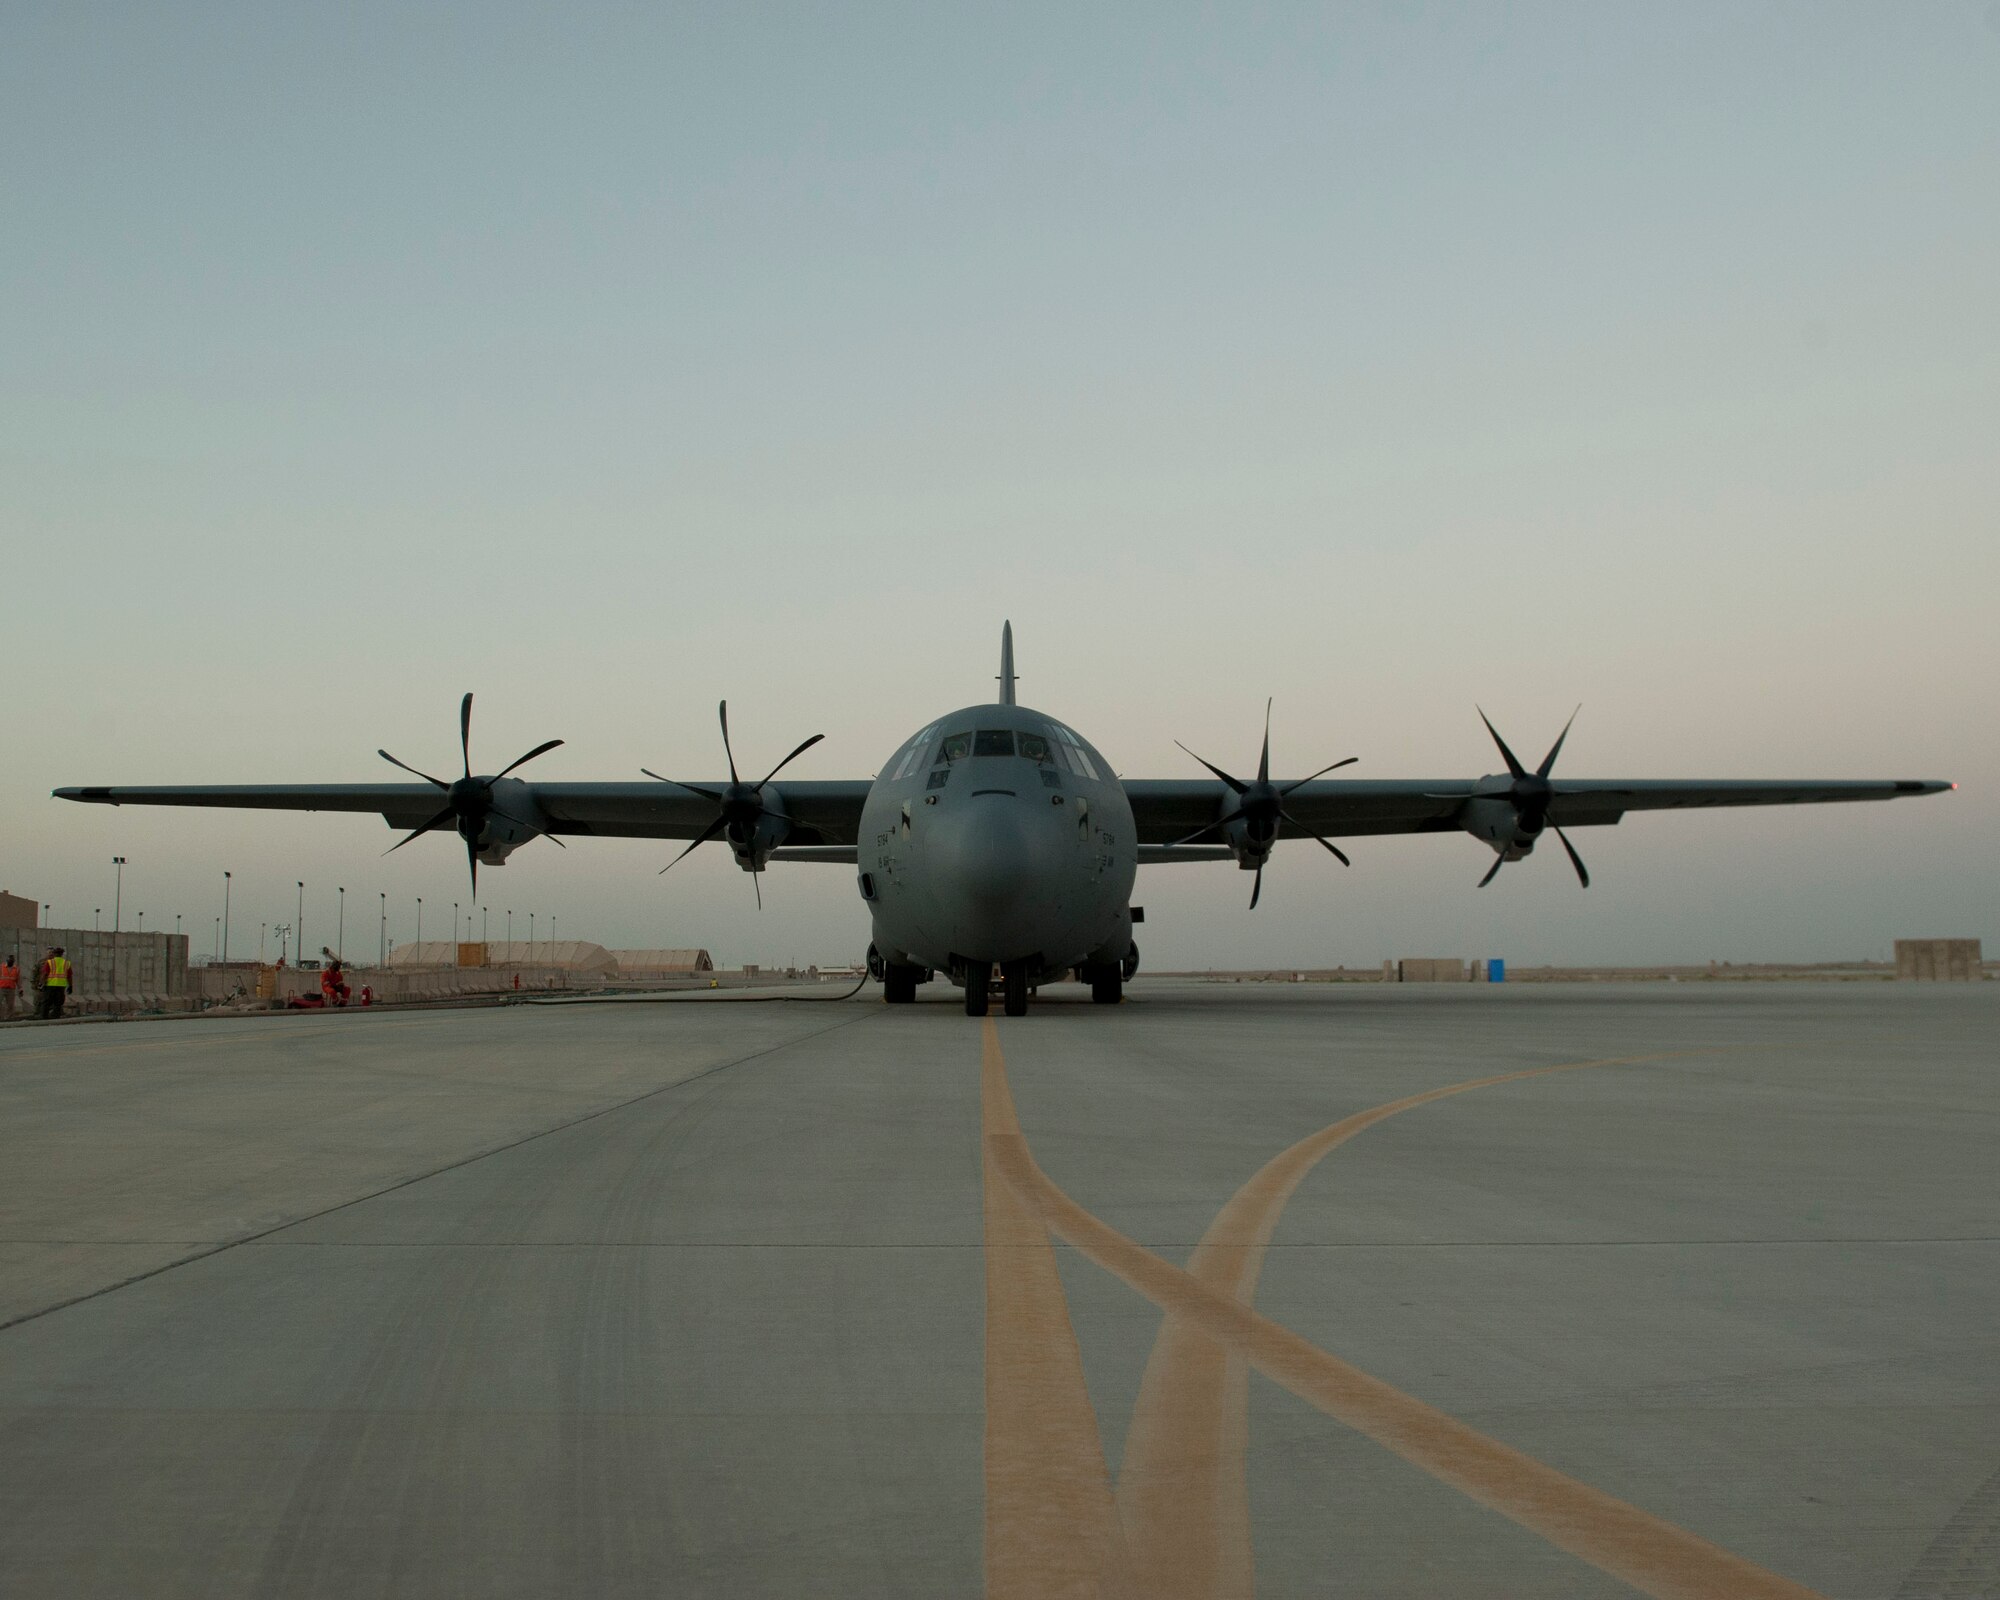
(10, 986)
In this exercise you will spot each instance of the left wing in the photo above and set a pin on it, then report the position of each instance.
(822, 813)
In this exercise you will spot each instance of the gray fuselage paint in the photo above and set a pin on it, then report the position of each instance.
(999, 861)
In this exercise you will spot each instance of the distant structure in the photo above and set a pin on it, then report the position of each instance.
(1938, 961)
(561, 955)
(17, 912)
(1425, 969)
(662, 963)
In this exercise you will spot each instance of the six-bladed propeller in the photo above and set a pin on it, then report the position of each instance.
(469, 800)
(739, 807)
(1531, 794)
(1260, 807)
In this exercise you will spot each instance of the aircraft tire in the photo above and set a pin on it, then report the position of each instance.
(978, 979)
(1106, 987)
(1017, 991)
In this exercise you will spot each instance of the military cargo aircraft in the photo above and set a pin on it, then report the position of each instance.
(996, 845)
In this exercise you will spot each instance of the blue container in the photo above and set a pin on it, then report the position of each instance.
(1496, 970)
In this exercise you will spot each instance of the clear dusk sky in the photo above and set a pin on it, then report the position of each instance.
(1385, 359)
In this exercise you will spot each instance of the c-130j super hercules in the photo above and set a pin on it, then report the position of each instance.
(997, 841)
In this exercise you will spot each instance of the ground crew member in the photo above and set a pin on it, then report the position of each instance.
(10, 986)
(55, 982)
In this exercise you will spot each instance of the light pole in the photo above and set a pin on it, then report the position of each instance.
(97, 919)
(382, 934)
(531, 930)
(262, 928)
(482, 925)
(177, 924)
(510, 933)
(340, 932)
(225, 918)
(299, 924)
(454, 931)
(420, 919)
(215, 948)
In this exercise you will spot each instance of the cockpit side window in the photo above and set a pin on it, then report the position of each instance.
(956, 747)
(993, 742)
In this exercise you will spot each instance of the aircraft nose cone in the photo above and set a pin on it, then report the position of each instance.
(996, 873)
(985, 854)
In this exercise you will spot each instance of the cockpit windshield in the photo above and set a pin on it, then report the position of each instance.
(993, 742)
(956, 747)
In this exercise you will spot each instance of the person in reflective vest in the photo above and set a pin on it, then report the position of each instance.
(55, 982)
(10, 986)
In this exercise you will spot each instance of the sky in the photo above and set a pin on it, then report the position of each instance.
(1384, 360)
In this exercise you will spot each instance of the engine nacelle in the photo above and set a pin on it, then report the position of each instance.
(1497, 824)
(752, 843)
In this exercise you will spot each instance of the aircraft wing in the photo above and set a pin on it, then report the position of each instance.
(1171, 810)
(824, 813)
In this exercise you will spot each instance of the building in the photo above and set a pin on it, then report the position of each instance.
(662, 963)
(1938, 961)
(16, 911)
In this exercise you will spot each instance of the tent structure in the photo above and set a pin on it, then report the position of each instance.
(662, 963)
(566, 955)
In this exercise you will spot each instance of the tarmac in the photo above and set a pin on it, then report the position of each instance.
(1396, 1290)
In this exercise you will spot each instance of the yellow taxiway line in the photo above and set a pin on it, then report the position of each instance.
(1653, 1555)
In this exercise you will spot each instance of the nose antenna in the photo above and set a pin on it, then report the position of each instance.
(1006, 663)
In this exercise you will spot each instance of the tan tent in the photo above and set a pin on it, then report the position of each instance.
(565, 955)
(662, 963)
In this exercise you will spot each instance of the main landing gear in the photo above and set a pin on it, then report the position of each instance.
(1017, 991)
(978, 979)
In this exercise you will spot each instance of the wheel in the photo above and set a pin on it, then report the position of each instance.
(1017, 991)
(899, 984)
(1106, 986)
(978, 978)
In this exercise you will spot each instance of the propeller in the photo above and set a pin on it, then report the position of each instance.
(739, 807)
(1531, 794)
(469, 800)
(1261, 807)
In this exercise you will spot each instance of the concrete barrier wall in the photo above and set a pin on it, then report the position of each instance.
(106, 964)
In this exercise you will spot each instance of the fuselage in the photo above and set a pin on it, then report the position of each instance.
(998, 837)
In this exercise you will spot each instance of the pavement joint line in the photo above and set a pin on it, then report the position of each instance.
(424, 1177)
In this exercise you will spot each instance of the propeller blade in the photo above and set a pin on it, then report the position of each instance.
(723, 712)
(522, 761)
(759, 888)
(1575, 860)
(1256, 888)
(472, 859)
(1323, 771)
(1264, 760)
(1233, 783)
(1499, 861)
(692, 788)
(1555, 749)
(1513, 766)
(1294, 821)
(706, 834)
(1220, 822)
(410, 769)
(442, 817)
(802, 749)
(465, 731)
